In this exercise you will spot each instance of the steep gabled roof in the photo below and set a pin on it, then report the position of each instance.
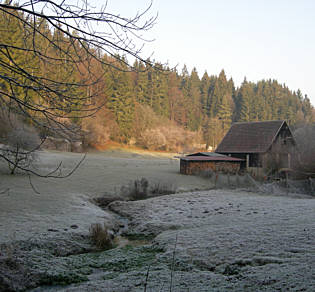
(253, 137)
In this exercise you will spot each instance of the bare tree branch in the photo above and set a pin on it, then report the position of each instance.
(48, 53)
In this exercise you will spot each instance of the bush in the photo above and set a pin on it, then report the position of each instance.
(136, 190)
(140, 189)
(163, 188)
(20, 142)
(155, 132)
(101, 236)
(153, 139)
(99, 128)
(106, 199)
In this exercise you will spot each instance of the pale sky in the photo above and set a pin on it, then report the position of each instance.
(259, 39)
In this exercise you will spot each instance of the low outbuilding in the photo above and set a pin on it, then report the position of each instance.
(204, 161)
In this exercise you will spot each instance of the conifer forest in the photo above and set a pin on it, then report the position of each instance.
(147, 104)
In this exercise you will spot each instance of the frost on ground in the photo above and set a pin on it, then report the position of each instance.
(63, 203)
(217, 240)
(248, 241)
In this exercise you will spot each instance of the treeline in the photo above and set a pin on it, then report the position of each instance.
(153, 107)
(154, 98)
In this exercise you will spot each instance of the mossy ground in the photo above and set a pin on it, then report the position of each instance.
(65, 270)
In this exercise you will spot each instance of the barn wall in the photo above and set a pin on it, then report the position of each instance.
(257, 173)
(195, 167)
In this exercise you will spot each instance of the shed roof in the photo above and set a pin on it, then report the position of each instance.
(210, 154)
(253, 137)
(213, 158)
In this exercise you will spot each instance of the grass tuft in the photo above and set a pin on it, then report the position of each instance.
(136, 190)
(140, 189)
(101, 236)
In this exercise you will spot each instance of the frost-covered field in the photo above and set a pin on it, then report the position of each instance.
(230, 240)
(216, 240)
(65, 202)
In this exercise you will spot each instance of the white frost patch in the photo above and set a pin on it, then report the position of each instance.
(65, 202)
(266, 240)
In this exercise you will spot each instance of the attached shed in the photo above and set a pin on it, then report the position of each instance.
(259, 144)
(194, 164)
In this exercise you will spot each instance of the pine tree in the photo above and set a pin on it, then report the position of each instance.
(141, 86)
(121, 103)
(219, 90)
(194, 96)
(245, 95)
(160, 91)
(204, 92)
(225, 113)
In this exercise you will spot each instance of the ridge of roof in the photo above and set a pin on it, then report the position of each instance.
(274, 137)
(253, 122)
(205, 153)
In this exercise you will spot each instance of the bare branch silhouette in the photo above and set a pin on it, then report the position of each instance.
(48, 54)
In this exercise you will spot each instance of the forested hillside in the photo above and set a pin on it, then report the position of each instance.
(154, 107)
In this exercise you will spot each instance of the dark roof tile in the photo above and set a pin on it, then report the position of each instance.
(253, 137)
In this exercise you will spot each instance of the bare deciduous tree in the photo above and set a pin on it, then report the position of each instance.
(71, 37)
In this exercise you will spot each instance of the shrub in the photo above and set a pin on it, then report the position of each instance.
(101, 236)
(140, 189)
(21, 141)
(153, 139)
(155, 132)
(163, 188)
(96, 130)
(136, 190)
(104, 201)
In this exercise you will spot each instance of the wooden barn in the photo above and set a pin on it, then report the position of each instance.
(263, 145)
(202, 161)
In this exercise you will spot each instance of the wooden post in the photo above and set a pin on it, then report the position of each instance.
(289, 160)
(247, 161)
(215, 179)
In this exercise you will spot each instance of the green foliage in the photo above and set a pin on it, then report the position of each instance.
(62, 278)
(121, 102)
(209, 104)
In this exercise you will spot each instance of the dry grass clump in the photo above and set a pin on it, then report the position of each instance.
(136, 190)
(106, 199)
(140, 189)
(101, 236)
(163, 188)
